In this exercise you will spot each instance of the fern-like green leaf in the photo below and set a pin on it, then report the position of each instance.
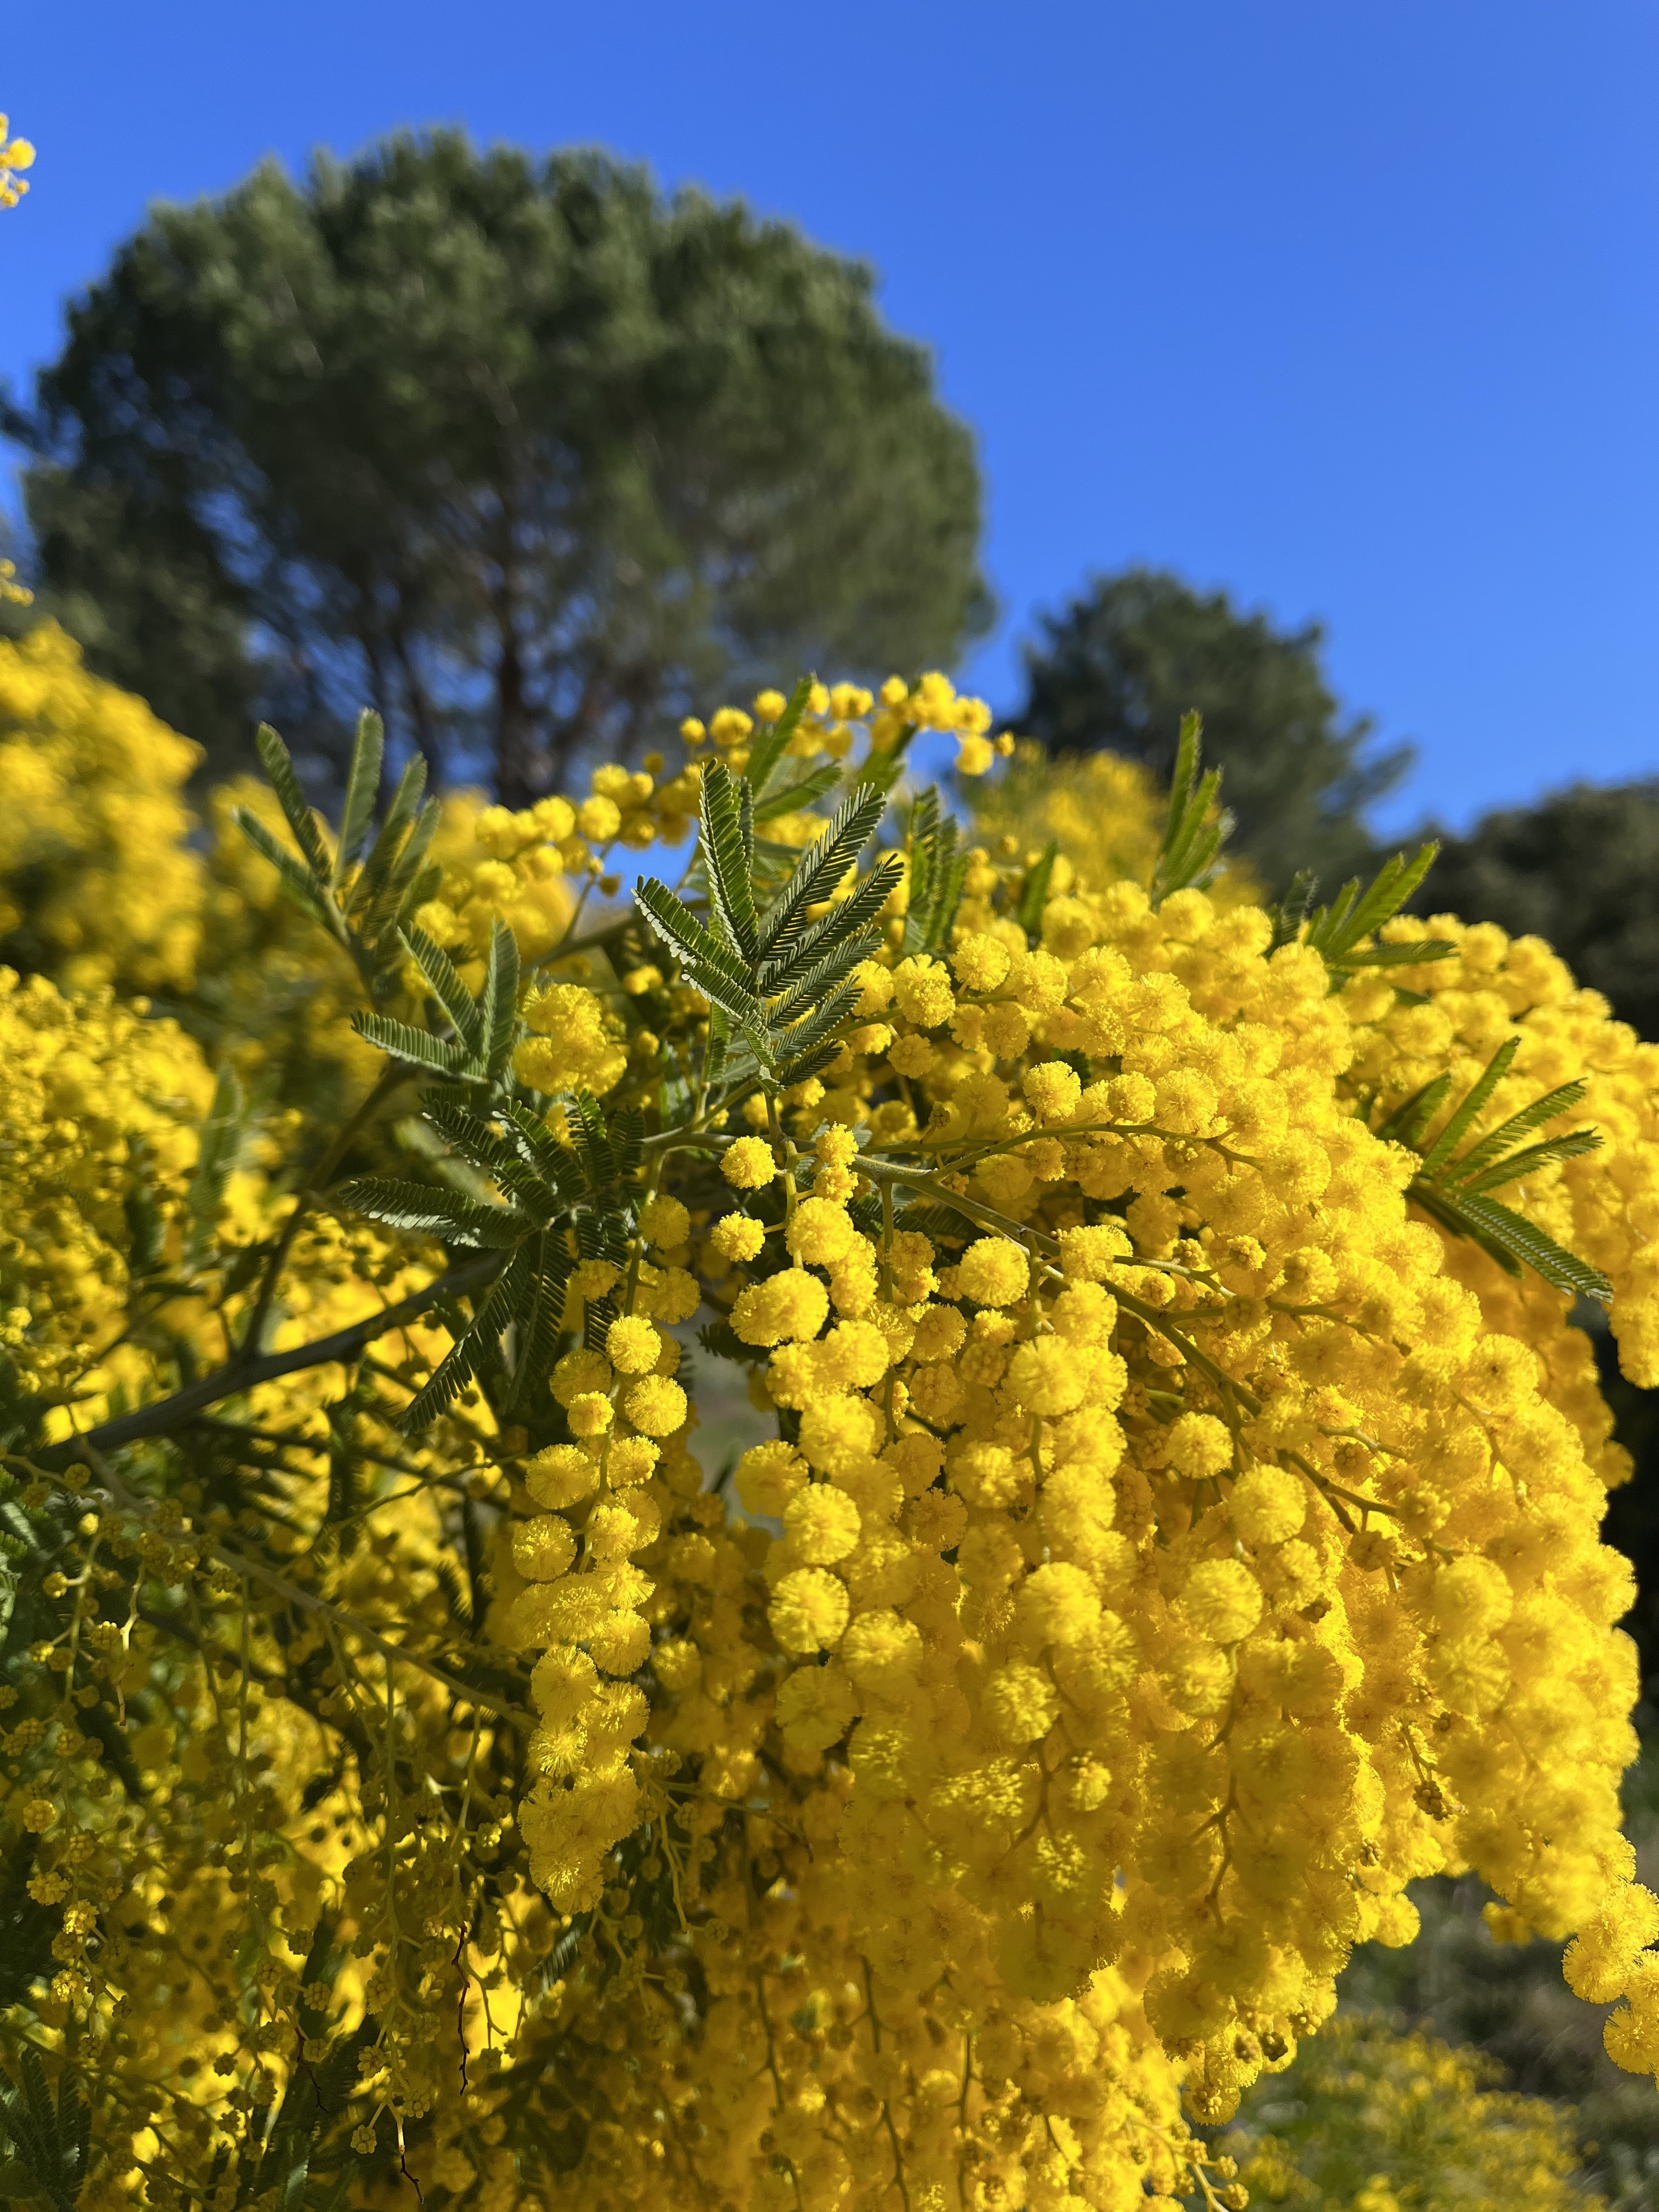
(820, 869)
(796, 798)
(444, 982)
(416, 1047)
(278, 764)
(476, 1344)
(1514, 1242)
(420, 1210)
(1463, 1120)
(52, 2141)
(1034, 891)
(539, 1316)
(1338, 933)
(705, 959)
(1454, 1189)
(1526, 1162)
(1549, 1108)
(1197, 827)
(936, 871)
(362, 789)
(850, 920)
(298, 885)
(498, 1011)
(1409, 1119)
(768, 749)
(726, 855)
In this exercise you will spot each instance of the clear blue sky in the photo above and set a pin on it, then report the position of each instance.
(1349, 308)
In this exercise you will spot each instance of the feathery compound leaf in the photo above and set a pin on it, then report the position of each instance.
(473, 1348)
(1196, 827)
(505, 1160)
(416, 1047)
(851, 920)
(1338, 932)
(51, 2144)
(1562, 1100)
(727, 858)
(557, 1164)
(805, 994)
(498, 1013)
(1572, 1146)
(820, 869)
(1293, 909)
(470, 1134)
(940, 1223)
(1408, 1120)
(699, 953)
(936, 871)
(1514, 1242)
(295, 881)
(1454, 1192)
(400, 846)
(791, 1044)
(424, 1210)
(796, 798)
(279, 767)
(362, 789)
(881, 770)
(771, 746)
(1463, 1120)
(447, 989)
(539, 1316)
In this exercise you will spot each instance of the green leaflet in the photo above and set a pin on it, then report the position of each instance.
(422, 1210)
(362, 789)
(1338, 933)
(768, 749)
(364, 901)
(1197, 826)
(1454, 1189)
(51, 2139)
(485, 1029)
(938, 865)
(779, 978)
(589, 1186)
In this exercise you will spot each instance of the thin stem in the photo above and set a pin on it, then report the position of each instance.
(241, 1564)
(389, 1080)
(245, 1368)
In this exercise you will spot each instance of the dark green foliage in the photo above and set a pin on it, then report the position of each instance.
(939, 862)
(365, 909)
(1344, 935)
(1454, 1189)
(1581, 868)
(1117, 670)
(1197, 827)
(49, 2138)
(783, 983)
(485, 1030)
(512, 448)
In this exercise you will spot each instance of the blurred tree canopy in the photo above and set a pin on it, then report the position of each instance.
(1581, 868)
(515, 449)
(1116, 669)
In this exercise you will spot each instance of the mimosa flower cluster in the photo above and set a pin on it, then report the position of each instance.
(1169, 1524)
